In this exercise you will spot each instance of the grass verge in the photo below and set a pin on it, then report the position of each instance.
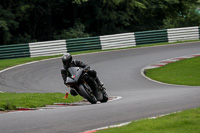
(12, 101)
(183, 72)
(184, 122)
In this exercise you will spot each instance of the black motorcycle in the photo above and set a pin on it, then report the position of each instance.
(86, 86)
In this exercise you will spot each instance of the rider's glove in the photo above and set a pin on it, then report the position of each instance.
(86, 69)
(65, 83)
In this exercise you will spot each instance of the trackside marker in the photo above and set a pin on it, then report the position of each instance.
(180, 58)
(26, 109)
(66, 95)
(93, 131)
(159, 65)
(167, 62)
(195, 55)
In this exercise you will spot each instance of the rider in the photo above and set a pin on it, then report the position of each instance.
(68, 62)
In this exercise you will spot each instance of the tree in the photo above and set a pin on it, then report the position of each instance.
(7, 25)
(24, 21)
(185, 15)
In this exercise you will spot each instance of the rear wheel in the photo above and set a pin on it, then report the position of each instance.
(87, 93)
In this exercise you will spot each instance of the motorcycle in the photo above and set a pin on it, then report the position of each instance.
(85, 85)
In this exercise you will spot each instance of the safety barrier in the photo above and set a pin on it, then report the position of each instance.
(183, 34)
(14, 51)
(99, 43)
(47, 48)
(199, 32)
(148, 37)
(117, 41)
(83, 44)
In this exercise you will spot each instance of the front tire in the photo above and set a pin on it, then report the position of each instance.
(86, 93)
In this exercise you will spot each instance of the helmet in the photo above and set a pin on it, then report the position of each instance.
(66, 59)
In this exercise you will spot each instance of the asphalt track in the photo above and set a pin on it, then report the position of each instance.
(120, 72)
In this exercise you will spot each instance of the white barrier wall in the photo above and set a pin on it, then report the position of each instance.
(47, 48)
(117, 41)
(123, 40)
(183, 34)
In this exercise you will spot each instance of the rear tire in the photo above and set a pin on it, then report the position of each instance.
(105, 96)
(85, 92)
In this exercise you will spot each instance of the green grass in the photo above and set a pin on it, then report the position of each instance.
(183, 122)
(183, 72)
(11, 101)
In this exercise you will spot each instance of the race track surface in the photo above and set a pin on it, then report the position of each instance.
(121, 73)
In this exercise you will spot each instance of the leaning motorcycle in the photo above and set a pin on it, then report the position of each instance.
(86, 86)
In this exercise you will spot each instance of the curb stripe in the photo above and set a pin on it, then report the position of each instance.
(163, 63)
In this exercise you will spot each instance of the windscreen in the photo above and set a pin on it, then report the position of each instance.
(73, 70)
(75, 73)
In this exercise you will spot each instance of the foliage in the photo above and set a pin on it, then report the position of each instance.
(74, 32)
(25, 21)
(6, 22)
(183, 18)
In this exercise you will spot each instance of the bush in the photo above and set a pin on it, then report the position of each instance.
(7, 106)
(1, 108)
(75, 32)
(188, 19)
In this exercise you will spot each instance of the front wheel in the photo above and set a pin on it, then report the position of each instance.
(105, 96)
(86, 93)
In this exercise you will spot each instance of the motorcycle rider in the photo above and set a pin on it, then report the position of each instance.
(69, 62)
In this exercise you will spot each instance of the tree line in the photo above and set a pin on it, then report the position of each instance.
(23, 21)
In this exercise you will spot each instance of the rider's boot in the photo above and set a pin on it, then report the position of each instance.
(73, 92)
(99, 82)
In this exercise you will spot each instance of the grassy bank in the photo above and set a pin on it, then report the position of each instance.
(183, 122)
(11, 101)
(183, 72)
